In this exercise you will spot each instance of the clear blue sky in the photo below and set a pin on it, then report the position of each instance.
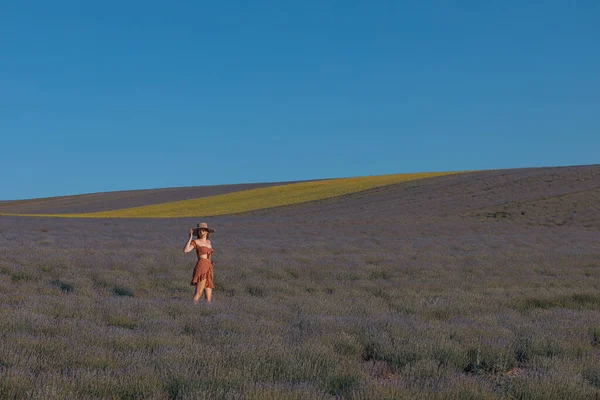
(106, 95)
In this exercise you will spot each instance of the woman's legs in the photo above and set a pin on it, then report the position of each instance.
(199, 289)
(208, 294)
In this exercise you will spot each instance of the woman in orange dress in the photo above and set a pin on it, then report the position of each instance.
(203, 272)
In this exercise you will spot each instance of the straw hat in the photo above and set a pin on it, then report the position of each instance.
(203, 225)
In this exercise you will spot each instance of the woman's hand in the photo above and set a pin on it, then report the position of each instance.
(191, 232)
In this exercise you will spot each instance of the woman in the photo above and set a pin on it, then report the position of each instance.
(203, 272)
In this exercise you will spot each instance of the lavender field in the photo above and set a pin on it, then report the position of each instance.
(484, 285)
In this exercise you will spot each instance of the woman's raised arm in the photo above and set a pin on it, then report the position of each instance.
(189, 246)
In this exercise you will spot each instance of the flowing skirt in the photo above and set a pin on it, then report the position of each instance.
(204, 270)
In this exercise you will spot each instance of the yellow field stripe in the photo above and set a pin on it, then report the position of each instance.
(253, 199)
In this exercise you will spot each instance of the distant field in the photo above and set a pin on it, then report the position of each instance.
(106, 201)
(482, 285)
(253, 199)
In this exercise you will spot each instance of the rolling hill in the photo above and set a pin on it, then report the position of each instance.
(96, 202)
(234, 201)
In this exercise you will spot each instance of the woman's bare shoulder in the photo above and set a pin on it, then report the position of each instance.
(205, 243)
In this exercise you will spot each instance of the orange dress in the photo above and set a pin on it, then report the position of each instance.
(204, 266)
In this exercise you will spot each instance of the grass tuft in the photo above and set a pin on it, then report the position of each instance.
(396, 357)
(488, 360)
(574, 301)
(121, 321)
(63, 286)
(175, 387)
(591, 373)
(122, 291)
(347, 345)
(21, 276)
(595, 333)
(256, 291)
(342, 385)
